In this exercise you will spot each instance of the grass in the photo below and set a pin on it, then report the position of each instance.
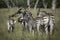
(18, 34)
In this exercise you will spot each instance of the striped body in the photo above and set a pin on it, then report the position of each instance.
(10, 25)
(46, 20)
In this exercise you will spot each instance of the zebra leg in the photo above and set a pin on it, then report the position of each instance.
(26, 25)
(9, 28)
(38, 27)
(46, 29)
(30, 28)
(51, 29)
(12, 28)
(23, 24)
(51, 26)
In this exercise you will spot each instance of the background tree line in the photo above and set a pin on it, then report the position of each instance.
(23, 3)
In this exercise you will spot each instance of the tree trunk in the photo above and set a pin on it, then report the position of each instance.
(44, 4)
(12, 3)
(36, 4)
(7, 3)
(28, 4)
(53, 4)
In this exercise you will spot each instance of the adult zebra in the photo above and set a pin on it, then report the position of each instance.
(28, 20)
(47, 20)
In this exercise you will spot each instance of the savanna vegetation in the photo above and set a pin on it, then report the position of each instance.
(9, 7)
(18, 34)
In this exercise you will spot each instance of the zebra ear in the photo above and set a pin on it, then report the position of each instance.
(31, 14)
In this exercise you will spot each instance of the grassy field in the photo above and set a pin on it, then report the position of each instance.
(18, 34)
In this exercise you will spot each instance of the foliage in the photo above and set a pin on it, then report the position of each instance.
(23, 3)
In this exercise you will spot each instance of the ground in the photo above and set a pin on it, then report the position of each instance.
(18, 34)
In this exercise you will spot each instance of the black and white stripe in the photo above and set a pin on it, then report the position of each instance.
(10, 25)
(47, 20)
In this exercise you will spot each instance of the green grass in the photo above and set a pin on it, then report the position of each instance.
(18, 34)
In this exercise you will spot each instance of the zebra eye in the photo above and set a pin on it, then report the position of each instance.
(45, 18)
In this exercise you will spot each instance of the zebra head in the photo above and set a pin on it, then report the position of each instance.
(42, 13)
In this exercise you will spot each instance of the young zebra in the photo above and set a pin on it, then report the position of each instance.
(10, 24)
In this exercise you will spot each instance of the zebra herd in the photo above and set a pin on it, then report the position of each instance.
(43, 20)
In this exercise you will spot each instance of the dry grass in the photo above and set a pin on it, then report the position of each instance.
(18, 34)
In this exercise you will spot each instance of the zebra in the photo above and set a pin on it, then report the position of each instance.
(28, 20)
(51, 23)
(47, 20)
(39, 22)
(10, 24)
(39, 19)
(31, 22)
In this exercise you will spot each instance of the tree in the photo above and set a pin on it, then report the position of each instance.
(12, 3)
(53, 4)
(45, 3)
(36, 4)
(28, 4)
(7, 3)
